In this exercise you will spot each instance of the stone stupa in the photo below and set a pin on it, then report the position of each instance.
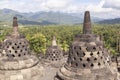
(86, 60)
(54, 55)
(52, 60)
(17, 62)
(54, 52)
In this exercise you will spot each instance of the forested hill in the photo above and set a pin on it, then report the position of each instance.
(42, 17)
(110, 21)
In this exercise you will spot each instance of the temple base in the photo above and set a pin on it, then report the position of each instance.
(18, 64)
(102, 74)
(33, 73)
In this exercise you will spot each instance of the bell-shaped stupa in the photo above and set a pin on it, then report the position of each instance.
(17, 62)
(54, 52)
(86, 60)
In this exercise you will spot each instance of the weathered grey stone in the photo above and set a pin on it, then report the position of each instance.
(87, 60)
(54, 55)
(17, 62)
(16, 77)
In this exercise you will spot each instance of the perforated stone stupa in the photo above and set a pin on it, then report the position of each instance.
(86, 60)
(52, 60)
(17, 62)
(54, 52)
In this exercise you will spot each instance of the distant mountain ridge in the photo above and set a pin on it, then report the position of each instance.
(110, 21)
(42, 17)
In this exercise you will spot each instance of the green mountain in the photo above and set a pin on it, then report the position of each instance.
(110, 21)
(41, 17)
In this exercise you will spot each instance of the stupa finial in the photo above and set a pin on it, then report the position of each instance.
(54, 41)
(87, 23)
(15, 25)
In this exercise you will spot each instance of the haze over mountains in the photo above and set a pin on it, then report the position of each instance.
(110, 21)
(49, 17)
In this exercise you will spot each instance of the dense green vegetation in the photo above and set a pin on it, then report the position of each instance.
(40, 36)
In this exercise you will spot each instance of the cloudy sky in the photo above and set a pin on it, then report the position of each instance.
(98, 8)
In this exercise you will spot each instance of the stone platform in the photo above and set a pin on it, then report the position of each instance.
(32, 73)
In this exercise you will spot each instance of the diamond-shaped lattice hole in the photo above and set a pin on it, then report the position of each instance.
(95, 59)
(88, 59)
(80, 59)
(76, 64)
(13, 55)
(84, 65)
(19, 55)
(99, 64)
(15, 51)
(94, 48)
(92, 65)
(98, 52)
(91, 54)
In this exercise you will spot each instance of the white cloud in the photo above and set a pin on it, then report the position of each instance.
(99, 9)
(35, 5)
(112, 4)
(10, 5)
(57, 4)
(106, 8)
